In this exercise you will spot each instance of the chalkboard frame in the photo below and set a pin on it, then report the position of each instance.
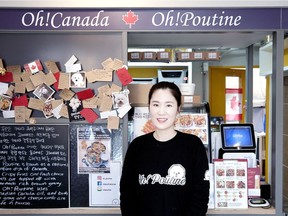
(37, 175)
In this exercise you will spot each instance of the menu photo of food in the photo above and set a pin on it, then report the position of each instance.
(193, 123)
(94, 150)
(231, 189)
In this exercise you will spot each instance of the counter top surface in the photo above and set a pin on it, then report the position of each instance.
(116, 211)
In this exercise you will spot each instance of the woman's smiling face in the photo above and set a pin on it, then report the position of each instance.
(163, 109)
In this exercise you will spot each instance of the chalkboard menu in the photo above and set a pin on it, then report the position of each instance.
(34, 166)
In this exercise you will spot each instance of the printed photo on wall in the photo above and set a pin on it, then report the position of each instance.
(78, 80)
(74, 107)
(5, 103)
(120, 99)
(48, 109)
(43, 92)
(94, 150)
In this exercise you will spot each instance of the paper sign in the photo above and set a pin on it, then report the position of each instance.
(103, 89)
(89, 115)
(20, 87)
(117, 64)
(66, 94)
(113, 122)
(99, 100)
(36, 104)
(56, 103)
(90, 103)
(57, 76)
(71, 66)
(104, 187)
(8, 114)
(71, 61)
(16, 77)
(106, 114)
(20, 101)
(85, 94)
(74, 68)
(56, 111)
(25, 76)
(38, 78)
(14, 68)
(29, 86)
(64, 81)
(50, 79)
(20, 114)
(124, 76)
(3, 88)
(108, 63)
(106, 104)
(27, 114)
(51, 66)
(115, 88)
(10, 90)
(123, 110)
(64, 111)
(91, 76)
(7, 77)
(99, 75)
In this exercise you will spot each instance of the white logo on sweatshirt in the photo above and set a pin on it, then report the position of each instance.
(176, 176)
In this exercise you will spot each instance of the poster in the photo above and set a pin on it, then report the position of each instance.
(233, 107)
(193, 123)
(94, 149)
(142, 123)
(231, 187)
(104, 187)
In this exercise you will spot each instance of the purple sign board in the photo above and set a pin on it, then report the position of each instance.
(285, 18)
(140, 19)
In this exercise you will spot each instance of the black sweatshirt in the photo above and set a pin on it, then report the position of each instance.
(165, 178)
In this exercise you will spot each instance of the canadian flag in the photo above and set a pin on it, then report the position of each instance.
(34, 66)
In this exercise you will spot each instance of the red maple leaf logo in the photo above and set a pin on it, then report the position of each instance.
(33, 67)
(130, 18)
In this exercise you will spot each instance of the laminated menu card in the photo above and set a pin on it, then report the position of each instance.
(231, 186)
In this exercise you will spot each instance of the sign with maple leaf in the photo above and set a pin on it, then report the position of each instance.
(157, 19)
(130, 18)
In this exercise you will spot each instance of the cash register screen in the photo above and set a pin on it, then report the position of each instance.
(237, 136)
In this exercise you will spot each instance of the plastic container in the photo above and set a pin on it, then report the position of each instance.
(187, 88)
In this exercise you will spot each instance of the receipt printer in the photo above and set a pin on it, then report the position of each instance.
(176, 76)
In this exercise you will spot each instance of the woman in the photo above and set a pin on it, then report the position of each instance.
(163, 171)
